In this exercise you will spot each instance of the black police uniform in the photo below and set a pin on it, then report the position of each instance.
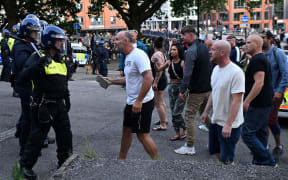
(5, 52)
(20, 53)
(51, 103)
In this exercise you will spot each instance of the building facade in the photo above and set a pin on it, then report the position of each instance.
(266, 15)
(107, 21)
(168, 21)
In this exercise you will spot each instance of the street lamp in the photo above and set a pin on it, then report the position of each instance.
(166, 25)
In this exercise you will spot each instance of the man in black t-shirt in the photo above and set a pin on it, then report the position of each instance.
(258, 102)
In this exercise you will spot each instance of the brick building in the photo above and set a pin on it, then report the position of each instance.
(108, 21)
(261, 17)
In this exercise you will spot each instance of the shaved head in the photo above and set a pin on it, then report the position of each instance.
(254, 44)
(220, 52)
(223, 45)
(209, 43)
(257, 39)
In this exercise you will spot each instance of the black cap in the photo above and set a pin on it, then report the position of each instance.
(267, 34)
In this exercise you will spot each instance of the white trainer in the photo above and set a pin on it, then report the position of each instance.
(185, 150)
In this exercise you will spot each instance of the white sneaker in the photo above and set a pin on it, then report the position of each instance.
(185, 150)
(203, 127)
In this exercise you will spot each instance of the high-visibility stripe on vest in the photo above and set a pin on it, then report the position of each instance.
(11, 43)
(55, 68)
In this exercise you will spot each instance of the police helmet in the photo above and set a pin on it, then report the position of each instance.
(101, 42)
(15, 29)
(50, 35)
(43, 24)
(33, 16)
(28, 25)
(5, 32)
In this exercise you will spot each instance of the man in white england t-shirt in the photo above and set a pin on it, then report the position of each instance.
(228, 87)
(140, 97)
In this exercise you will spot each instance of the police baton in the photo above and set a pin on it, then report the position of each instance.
(4, 26)
(31, 43)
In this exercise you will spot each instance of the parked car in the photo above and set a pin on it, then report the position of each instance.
(79, 53)
(283, 110)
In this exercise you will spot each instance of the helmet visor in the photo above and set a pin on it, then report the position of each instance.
(60, 45)
(35, 36)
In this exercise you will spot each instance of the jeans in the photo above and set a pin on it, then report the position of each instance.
(224, 146)
(254, 134)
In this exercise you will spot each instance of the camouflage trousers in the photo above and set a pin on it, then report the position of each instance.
(177, 106)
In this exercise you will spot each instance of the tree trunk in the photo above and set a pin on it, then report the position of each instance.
(11, 10)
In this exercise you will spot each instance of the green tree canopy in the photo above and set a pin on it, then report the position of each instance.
(133, 12)
(53, 11)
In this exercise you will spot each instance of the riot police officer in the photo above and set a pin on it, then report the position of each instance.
(43, 24)
(51, 99)
(5, 53)
(21, 51)
(11, 41)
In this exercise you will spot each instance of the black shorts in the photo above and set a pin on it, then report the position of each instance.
(139, 122)
(162, 84)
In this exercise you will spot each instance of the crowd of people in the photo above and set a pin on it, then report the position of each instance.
(241, 87)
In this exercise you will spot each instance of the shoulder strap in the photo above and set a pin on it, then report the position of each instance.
(172, 64)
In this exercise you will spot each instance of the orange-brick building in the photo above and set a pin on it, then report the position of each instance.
(261, 17)
(108, 21)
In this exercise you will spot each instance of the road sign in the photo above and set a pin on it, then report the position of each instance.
(244, 21)
(76, 26)
(244, 25)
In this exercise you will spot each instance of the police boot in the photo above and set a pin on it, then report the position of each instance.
(48, 141)
(15, 94)
(29, 174)
(17, 133)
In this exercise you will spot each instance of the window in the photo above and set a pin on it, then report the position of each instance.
(267, 15)
(255, 16)
(236, 16)
(113, 19)
(79, 6)
(97, 20)
(224, 16)
(259, 3)
(255, 26)
(239, 4)
(80, 20)
(266, 25)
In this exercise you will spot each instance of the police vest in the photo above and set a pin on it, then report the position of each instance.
(54, 83)
(56, 68)
(11, 43)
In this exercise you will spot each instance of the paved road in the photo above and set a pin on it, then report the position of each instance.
(96, 118)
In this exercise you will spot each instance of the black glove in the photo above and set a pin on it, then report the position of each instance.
(44, 60)
(67, 103)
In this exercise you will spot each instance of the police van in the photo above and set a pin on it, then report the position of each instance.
(283, 110)
(79, 53)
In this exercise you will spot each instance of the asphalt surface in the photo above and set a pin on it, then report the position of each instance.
(96, 119)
